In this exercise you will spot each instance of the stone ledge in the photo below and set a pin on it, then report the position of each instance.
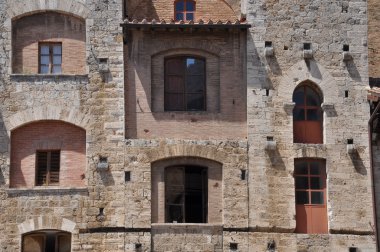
(81, 78)
(46, 191)
(194, 227)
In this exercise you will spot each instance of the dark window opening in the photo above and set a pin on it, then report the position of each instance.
(268, 43)
(47, 241)
(307, 46)
(185, 88)
(47, 167)
(186, 194)
(184, 10)
(50, 58)
(307, 115)
(346, 48)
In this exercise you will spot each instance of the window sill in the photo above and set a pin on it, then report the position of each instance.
(47, 190)
(51, 77)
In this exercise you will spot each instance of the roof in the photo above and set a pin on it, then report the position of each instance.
(180, 25)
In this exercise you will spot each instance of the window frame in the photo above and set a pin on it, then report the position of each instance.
(184, 75)
(184, 11)
(44, 235)
(51, 57)
(187, 190)
(48, 168)
(311, 218)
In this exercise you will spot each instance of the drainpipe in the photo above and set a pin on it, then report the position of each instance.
(370, 128)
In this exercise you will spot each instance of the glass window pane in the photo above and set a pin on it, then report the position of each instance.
(57, 49)
(189, 6)
(316, 183)
(57, 60)
(312, 98)
(179, 6)
(317, 198)
(298, 114)
(189, 16)
(195, 102)
(56, 69)
(314, 168)
(195, 84)
(174, 66)
(195, 66)
(298, 96)
(44, 69)
(302, 197)
(313, 115)
(44, 50)
(174, 102)
(300, 167)
(302, 183)
(179, 16)
(44, 60)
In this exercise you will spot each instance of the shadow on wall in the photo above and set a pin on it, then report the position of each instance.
(254, 65)
(4, 153)
(357, 161)
(353, 71)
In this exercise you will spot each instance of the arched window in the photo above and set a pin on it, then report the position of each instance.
(307, 115)
(184, 10)
(47, 241)
(310, 187)
(185, 88)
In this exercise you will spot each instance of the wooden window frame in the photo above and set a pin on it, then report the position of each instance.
(186, 192)
(51, 56)
(48, 168)
(320, 215)
(184, 75)
(184, 12)
(57, 234)
(304, 130)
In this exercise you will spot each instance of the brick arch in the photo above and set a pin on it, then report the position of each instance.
(18, 9)
(193, 45)
(187, 150)
(46, 222)
(315, 73)
(69, 115)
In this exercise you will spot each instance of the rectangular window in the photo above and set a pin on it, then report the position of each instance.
(47, 167)
(186, 194)
(50, 58)
(310, 190)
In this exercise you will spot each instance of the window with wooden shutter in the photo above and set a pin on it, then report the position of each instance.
(310, 187)
(307, 115)
(47, 241)
(185, 88)
(47, 167)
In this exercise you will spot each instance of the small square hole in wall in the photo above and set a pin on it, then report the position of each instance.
(350, 141)
(270, 138)
(353, 249)
(266, 92)
(243, 174)
(103, 60)
(233, 246)
(346, 93)
(138, 247)
(286, 48)
(268, 44)
(346, 48)
(127, 176)
(307, 46)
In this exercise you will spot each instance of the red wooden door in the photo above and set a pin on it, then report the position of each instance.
(311, 211)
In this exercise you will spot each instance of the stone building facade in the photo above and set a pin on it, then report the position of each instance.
(184, 126)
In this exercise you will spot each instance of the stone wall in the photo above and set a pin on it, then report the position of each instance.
(373, 38)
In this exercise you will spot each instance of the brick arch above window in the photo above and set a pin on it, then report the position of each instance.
(45, 222)
(20, 8)
(69, 115)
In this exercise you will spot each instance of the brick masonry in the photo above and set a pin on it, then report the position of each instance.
(134, 137)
